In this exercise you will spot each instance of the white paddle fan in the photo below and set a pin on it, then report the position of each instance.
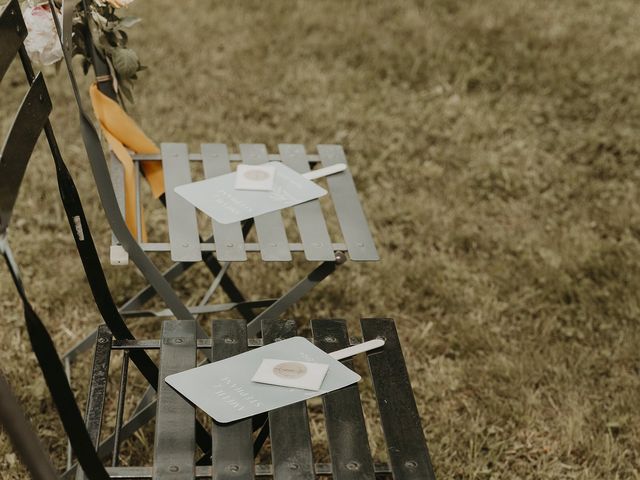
(219, 197)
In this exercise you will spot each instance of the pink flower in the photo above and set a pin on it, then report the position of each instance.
(42, 43)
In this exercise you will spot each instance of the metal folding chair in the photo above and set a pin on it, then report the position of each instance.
(187, 245)
(236, 452)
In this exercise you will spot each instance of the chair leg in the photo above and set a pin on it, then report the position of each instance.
(82, 346)
(295, 293)
(214, 267)
(24, 439)
(131, 426)
(147, 399)
(148, 292)
(228, 285)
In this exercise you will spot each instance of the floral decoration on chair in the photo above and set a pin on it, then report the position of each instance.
(107, 28)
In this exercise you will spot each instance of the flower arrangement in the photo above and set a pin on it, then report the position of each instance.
(42, 43)
(100, 19)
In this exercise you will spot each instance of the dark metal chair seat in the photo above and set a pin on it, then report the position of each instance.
(234, 446)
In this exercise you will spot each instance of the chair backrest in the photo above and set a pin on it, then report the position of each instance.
(29, 121)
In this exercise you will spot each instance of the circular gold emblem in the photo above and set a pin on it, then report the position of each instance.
(289, 370)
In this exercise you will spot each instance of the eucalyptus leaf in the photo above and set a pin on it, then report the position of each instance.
(107, 44)
(98, 20)
(125, 90)
(125, 61)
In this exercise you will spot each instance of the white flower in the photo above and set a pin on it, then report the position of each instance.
(42, 43)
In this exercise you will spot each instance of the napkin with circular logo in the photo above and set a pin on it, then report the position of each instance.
(225, 390)
(305, 375)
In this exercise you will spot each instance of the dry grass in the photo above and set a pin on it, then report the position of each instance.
(496, 151)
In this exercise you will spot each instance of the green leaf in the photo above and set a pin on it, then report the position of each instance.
(107, 42)
(124, 38)
(125, 89)
(125, 61)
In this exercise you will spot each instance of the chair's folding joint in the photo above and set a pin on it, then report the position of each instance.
(118, 255)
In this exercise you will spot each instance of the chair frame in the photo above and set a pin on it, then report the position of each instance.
(109, 180)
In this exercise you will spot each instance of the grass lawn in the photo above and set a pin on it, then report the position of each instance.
(496, 150)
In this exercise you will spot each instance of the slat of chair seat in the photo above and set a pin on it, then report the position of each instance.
(228, 238)
(346, 430)
(401, 424)
(174, 445)
(183, 225)
(97, 387)
(232, 442)
(12, 33)
(291, 452)
(204, 471)
(14, 156)
(311, 223)
(353, 222)
(272, 236)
